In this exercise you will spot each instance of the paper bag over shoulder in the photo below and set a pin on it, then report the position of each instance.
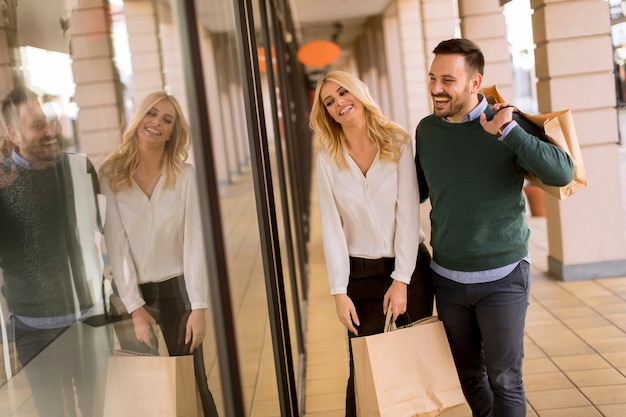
(559, 130)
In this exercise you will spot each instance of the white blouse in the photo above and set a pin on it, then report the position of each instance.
(368, 216)
(155, 239)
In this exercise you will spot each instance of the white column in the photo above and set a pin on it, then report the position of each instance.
(98, 92)
(145, 48)
(172, 61)
(574, 68)
(413, 60)
(412, 29)
(395, 75)
(8, 48)
(483, 22)
(215, 109)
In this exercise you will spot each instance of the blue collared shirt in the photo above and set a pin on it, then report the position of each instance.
(21, 161)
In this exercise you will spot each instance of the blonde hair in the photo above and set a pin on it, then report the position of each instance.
(388, 136)
(119, 166)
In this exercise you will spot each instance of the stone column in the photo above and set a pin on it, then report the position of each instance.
(412, 60)
(439, 19)
(145, 47)
(233, 106)
(418, 25)
(98, 88)
(172, 59)
(237, 105)
(574, 68)
(439, 22)
(483, 22)
(9, 58)
(398, 96)
(216, 116)
(8, 63)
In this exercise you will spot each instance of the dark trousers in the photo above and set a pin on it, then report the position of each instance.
(485, 326)
(58, 386)
(369, 281)
(168, 303)
(29, 341)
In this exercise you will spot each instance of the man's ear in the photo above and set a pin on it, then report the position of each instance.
(476, 82)
(13, 134)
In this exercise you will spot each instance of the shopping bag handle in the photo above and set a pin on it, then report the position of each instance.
(391, 324)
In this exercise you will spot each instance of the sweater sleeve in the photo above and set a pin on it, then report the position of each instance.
(333, 237)
(118, 249)
(407, 235)
(194, 261)
(421, 179)
(549, 163)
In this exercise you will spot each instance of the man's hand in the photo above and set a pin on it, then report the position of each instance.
(504, 114)
(347, 312)
(396, 296)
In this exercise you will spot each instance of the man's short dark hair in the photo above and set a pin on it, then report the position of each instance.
(15, 98)
(474, 58)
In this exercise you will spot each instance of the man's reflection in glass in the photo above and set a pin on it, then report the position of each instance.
(48, 219)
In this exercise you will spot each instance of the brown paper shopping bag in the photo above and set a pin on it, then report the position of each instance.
(407, 372)
(558, 129)
(156, 386)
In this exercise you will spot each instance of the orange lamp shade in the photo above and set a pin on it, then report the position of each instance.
(318, 53)
(263, 59)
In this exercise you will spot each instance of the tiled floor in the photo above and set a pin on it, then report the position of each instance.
(575, 363)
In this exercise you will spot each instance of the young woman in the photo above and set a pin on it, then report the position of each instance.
(153, 233)
(369, 206)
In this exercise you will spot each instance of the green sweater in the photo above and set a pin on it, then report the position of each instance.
(474, 182)
(40, 254)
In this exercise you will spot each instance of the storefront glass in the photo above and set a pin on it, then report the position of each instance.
(89, 64)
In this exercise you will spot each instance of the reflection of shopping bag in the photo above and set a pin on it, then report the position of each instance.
(162, 386)
(406, 372)
(558, 129)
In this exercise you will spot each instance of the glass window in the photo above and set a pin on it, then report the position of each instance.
(108, 247)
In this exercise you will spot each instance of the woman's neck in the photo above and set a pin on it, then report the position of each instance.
(357, 139)
(356, 135)
(360, 147)
(148, 171)
(150, 161)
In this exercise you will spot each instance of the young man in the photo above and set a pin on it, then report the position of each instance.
(471, 158)
(51, 265)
